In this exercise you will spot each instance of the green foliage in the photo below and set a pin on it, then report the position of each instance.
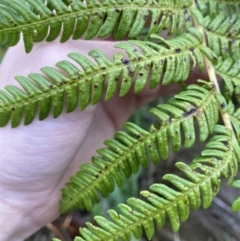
(223, 35)
(128, 150)
(200, 185)
(235, 119)
(73, 18)
(2, 52)
(228, 69)
(216, 7)
(151, 61)
(171, 58)
(236, 203)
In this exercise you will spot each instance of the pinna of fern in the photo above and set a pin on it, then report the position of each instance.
(128, 150)
(215, 7)
(228, 70)
(201, 183)
(234, 114)
(41, 20)
(236, 203)
(223, 35)
(168, 58)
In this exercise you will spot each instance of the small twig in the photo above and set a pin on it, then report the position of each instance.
(53, 229)
(67, 221)
(176, 237)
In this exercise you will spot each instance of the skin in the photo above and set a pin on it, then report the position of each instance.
(37, 160)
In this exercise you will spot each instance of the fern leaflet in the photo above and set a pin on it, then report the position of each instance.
(129, 150)
(198, 188)
(170, 59)
(234, 118)
(39, 21)
(223, 35)
(229, 69)
(216, 7)
(236, 203)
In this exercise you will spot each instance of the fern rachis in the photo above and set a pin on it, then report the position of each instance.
(90, 82)
(94, 18)
(121, 153)
(164, 201)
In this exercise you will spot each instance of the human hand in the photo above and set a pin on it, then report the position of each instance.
(37, 160)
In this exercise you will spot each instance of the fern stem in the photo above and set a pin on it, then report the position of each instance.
(212, 74)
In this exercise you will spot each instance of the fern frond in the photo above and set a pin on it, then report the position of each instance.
(216, 7)
(39, 21)
(198, 188)
(170, 59)
(234, 118)
(229, 70)
(236, 203)
(223, 35)
(128, 150)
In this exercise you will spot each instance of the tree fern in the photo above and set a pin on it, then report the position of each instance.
(228, 69)
(223, 35)
(235, 118)
(197, 189)
(129, 150)
(214, 7)
(203, 34)
(169, 58)
(236, 203)
(74, 19)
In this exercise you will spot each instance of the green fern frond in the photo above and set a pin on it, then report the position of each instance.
(223, 35)
(234, 118)
(198, 188)
(216, 7)
(170, 59)
(128, 150)
(229, 69)
(236, 203)
(38, 21)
